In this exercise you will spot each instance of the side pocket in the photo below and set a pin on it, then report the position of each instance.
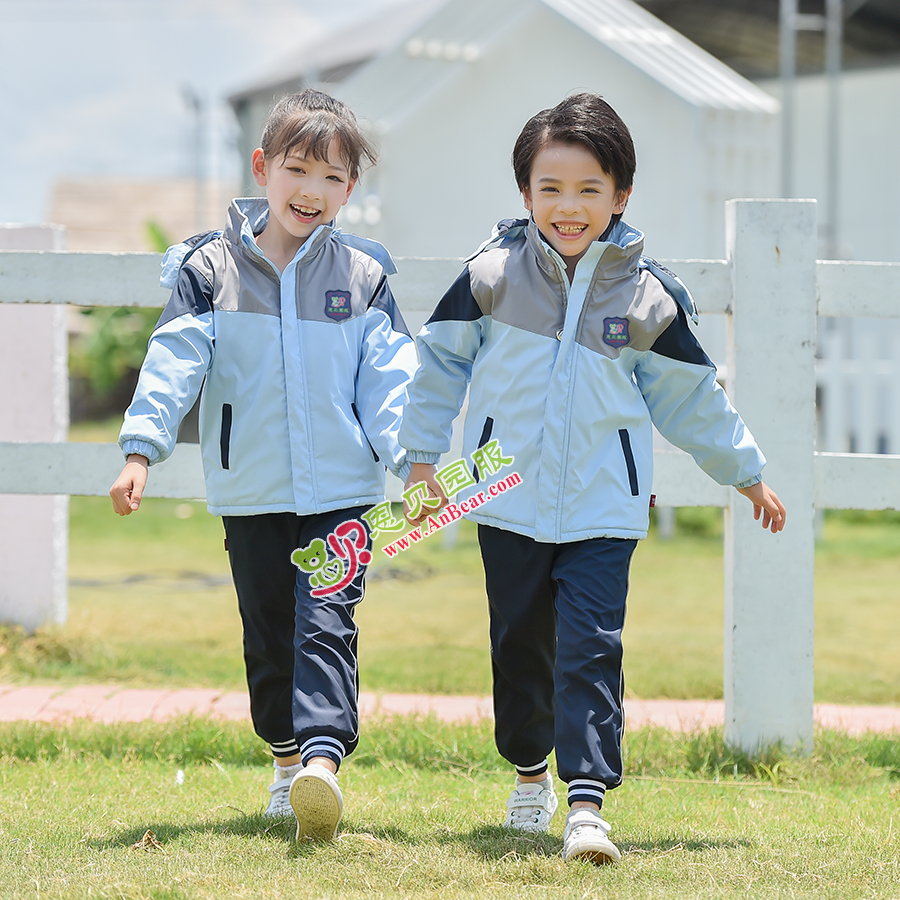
(625, 440)
(355, 412)
(485, 437)
(225, 436)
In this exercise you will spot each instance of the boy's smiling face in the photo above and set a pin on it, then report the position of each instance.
(303, 193)
(571, 198)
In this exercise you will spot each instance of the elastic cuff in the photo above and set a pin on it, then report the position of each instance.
(322, 745)
(283, 749)
(587, 791)
(749, 482)
(142, 448)
(403, 471)
(530, 771)
(423, 456)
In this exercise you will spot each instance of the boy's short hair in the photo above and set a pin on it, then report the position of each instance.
(310, 120)
(585, 119)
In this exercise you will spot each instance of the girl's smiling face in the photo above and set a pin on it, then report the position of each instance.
(303, 193)
(571, 198)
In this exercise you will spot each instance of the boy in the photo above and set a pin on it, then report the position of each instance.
(571, 344)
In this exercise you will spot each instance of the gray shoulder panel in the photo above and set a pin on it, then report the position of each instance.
(244, 284)
(632, 311)
(337, 285)
(509, 285)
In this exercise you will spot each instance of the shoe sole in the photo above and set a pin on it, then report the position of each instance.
(597, 857)
(600, 854)
(316, 807)
(528, 828)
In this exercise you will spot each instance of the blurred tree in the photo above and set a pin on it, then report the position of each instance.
(106, 351)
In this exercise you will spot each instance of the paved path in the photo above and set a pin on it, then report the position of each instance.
(110, 703)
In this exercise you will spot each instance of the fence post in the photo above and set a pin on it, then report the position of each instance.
(771, 380)
(34, 406)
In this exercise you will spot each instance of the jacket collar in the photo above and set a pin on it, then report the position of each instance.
(247, 217)
(623, 246)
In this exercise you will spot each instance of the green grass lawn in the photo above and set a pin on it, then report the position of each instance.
(422, 806)
(151, 602)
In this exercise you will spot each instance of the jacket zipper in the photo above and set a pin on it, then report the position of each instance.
(567, 425)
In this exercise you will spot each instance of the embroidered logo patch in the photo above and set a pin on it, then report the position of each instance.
(615, 332)
(337, 305)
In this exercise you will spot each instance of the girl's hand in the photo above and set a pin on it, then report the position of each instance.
(128, 488)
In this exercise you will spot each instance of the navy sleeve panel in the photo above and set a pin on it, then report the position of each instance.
(678, 342)
(383, 299)
(458, 304)
(192, 295)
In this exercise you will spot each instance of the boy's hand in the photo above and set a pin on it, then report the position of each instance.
(765, 501)
(419, 472)
(128, 488)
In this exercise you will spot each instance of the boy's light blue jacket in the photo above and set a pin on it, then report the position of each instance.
(568, 379)
(304, 373)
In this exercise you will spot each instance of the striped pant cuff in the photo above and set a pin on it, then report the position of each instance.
(322, 745)
(529, 771)
(281, 749)
(585, 790)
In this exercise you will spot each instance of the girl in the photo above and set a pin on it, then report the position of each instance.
(290, 329)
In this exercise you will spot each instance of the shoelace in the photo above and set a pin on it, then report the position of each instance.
(528, 812)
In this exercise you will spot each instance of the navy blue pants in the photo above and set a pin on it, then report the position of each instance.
(300, 651)
(557, 612)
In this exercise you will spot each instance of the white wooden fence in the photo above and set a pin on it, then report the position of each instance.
(858, 377)
(770, 288)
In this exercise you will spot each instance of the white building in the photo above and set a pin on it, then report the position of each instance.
(449, 101)
(448, 87)
(321, 62)
(868, 215)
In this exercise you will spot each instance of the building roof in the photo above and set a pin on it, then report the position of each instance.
(740, 34)
(744, 33)
(332, 57)
(463, 29)
(665, 54)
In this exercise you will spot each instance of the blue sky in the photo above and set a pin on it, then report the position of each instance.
(97, 87)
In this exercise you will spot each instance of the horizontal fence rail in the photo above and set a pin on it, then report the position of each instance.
(859, 289)
(842, 480)
(770, 288)
(843, 289)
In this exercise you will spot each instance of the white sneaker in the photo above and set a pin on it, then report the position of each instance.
(317, 803)
(585, 837)
(531, 806)
(279, 806)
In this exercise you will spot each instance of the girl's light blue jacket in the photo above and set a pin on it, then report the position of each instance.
(568, 379)
(303, 373)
